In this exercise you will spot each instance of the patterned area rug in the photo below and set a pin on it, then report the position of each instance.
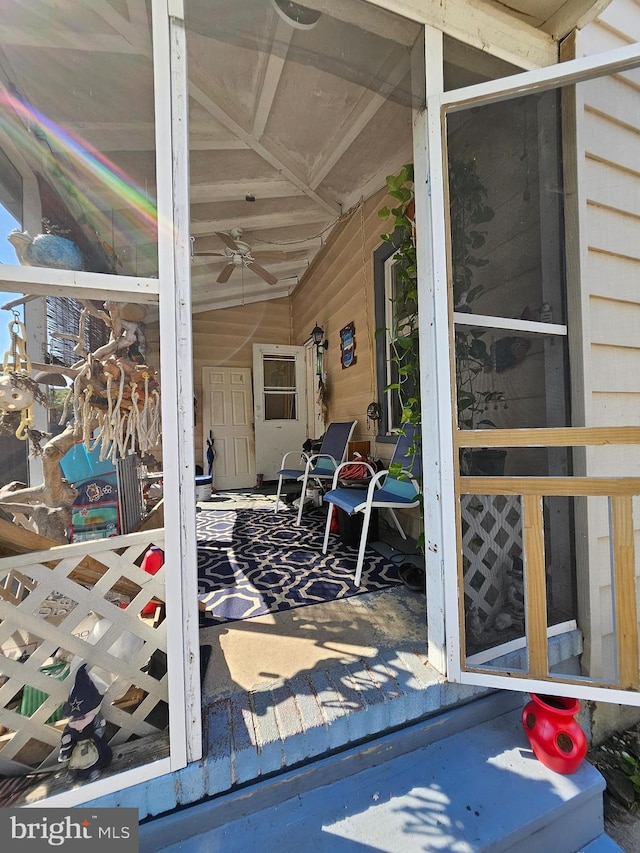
(252, 563)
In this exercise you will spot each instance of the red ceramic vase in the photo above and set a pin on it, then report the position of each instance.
(151, 563)
(555, 737)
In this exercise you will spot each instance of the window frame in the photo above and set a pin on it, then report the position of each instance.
(382, 264)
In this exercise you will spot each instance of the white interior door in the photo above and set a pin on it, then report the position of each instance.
(228, 415)
(280, 404)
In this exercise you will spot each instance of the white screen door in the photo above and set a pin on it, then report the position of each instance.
(539, 348)
(280, 404)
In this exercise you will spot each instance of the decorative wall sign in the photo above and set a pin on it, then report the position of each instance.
(348, 345)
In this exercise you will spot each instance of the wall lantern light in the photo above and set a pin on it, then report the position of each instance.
(317, 336)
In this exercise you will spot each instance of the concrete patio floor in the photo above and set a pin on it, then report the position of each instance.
(268, 650)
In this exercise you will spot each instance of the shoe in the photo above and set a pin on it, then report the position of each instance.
(413, 577)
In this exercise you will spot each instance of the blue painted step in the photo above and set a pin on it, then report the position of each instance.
(602, 844)
(479, 790)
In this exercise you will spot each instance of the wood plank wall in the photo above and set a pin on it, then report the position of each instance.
(608, 136)
(225, 338)
(337, 290)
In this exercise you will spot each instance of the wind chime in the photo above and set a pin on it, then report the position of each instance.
(16, 386)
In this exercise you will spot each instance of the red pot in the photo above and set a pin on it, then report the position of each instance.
(151, 563)
(555, 737)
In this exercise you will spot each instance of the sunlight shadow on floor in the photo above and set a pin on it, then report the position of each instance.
(249, 655)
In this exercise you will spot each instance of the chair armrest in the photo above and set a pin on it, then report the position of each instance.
(290, 453)
(311, 460)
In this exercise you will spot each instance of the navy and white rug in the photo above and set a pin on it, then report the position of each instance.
(252, 563)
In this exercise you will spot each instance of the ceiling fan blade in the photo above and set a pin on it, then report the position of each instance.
(228, 241)
(226, 273)
(267, 276)
(209, 255)
(267, 255)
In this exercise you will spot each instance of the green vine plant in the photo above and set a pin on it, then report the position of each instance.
(469, 212)
(403, 336)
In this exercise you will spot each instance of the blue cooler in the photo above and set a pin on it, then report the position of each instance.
(203, 487)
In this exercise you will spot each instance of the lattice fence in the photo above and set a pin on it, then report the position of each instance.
(79, 603)
(491, 540)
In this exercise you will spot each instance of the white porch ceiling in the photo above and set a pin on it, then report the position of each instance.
(305, 122)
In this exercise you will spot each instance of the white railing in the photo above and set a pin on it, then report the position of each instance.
(79, 603)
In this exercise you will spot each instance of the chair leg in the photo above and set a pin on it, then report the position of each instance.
(397, 523)
(302, 496)
(327, 529)
(363, 543)
(278, 493)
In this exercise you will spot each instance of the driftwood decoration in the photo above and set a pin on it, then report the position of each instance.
(48, 505)
(112, 387)
(113, 403)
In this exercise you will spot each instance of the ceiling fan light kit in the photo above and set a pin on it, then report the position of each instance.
(238, 254)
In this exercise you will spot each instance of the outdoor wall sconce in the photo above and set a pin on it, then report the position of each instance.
(320, 343)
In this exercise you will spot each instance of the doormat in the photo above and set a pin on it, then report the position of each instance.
(240, 500)
(253, 563)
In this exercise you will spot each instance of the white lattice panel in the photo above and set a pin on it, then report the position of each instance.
(44, 612)
(491, 538)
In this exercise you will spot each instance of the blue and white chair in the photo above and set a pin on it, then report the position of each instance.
(385, 491)
(319, 466)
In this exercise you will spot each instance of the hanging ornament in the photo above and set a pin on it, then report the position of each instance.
(16, 386)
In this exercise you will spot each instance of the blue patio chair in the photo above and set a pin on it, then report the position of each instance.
(318, 466)
(385, 491)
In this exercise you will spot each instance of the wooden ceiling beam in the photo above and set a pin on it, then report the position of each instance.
(53, 39)
(281, 269)
(217, 145)
(200, 228)
(134, 29)
(206, 193)
(479, 24)
(129, 31)
(271, 79)
(116, 135)
(198, 88)
(574, 14)
(369, 18)
(219, 296)
(356, 121)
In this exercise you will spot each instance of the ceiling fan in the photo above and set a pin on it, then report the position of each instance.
(239, 254)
